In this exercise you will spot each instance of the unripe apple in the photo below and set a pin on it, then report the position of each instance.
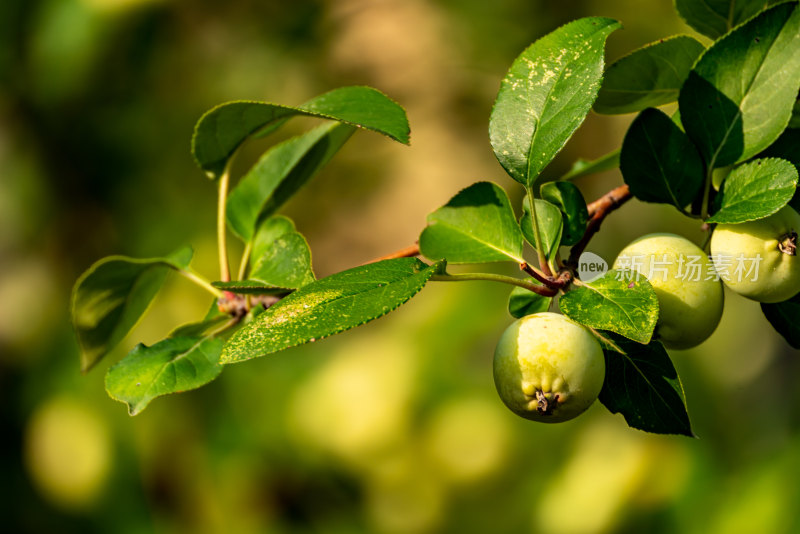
(690, 295)
(760, 256)
(548, 368)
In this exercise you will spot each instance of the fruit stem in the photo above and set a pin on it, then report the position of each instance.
(788, 243)
(541, 290)
(709, 230)
(200, 281)
(707, 189)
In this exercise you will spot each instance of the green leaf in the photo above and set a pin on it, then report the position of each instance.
(785, 318)
(251, 287)
(755, 190)
(717, 17)
(522, 302)
(201, 328)
(280, 256)
(280, 173)
(787, 147)
(659, 162)
(618, 301)
(329, 306)
(477, 225)
(648, 77)
(568, 198)
(548, 218)
(112, 295)
(738, 98)
(546, 95)
(222, 129)
(173, 365)
(583, 167)
(643, 385)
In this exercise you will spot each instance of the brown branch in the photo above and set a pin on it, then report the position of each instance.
(552, 282)
(610, 201)
(598, 210)
(408, 252)
(537, 275)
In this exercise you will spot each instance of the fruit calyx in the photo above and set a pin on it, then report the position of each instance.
(545, 405)
(788, 243)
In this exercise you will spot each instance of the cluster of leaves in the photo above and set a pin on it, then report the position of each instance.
(730, 153)
(110, 298)
(735, 99)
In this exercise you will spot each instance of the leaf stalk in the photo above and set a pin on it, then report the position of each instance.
(200, 281)
(545, 266)
(489, 277)
(222, 238)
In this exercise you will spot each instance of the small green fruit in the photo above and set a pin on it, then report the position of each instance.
(760, 256)
(548, 368)
(690, 295)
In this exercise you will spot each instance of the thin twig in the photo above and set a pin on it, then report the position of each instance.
(535, 273)
(598, 210)
(552, 282)
(408, 252)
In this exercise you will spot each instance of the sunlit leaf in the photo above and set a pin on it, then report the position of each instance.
(618, 301)
(787, 147)
(250, 287)
(648, 77)
(546, 95)
(173, 365)
(477, 225)
(222, 129)
(755, 190)
(280, 173)
(739, 96)
(280, 255)
(329, 306)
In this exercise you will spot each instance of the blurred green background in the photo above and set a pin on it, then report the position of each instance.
(394, 427)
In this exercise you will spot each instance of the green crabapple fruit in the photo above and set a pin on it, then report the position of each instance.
(768, 245)
(548, 368)
(690, 295)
